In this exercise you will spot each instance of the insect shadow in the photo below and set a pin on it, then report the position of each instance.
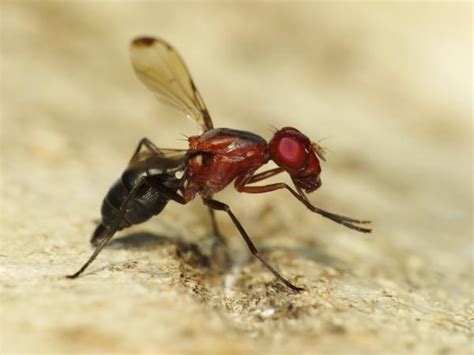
(319, 256)
(142, 240)
(188, 252)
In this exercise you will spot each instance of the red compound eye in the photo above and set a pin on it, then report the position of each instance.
(291, 153)
(289, 148)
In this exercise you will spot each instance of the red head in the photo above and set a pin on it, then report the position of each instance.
(293, 151)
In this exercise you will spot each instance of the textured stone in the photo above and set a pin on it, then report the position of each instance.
(389, 84)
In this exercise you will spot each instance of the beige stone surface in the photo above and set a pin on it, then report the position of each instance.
(389, 84)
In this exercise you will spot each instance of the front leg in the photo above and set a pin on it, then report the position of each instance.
(345, 221)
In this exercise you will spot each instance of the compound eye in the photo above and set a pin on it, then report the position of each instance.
(291, 153)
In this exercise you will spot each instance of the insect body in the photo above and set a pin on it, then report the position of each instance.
(215, 158)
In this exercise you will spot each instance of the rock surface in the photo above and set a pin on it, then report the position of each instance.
(389, 84)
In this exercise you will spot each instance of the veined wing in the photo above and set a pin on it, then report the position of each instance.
(160, 67)
(164, 159)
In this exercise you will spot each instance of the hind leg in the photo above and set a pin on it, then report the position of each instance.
(109, 233)
(105, 234)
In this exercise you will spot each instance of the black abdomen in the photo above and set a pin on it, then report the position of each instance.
(146, 203)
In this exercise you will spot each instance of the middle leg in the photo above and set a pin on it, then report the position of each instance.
(215, 228)
(220, 257)
(216, 205)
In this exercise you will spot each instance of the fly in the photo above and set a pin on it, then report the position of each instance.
(214, 159)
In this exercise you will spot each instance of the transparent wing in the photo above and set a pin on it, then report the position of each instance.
(166, 160)
(163, 71)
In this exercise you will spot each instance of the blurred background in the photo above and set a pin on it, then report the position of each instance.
(386, 86)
